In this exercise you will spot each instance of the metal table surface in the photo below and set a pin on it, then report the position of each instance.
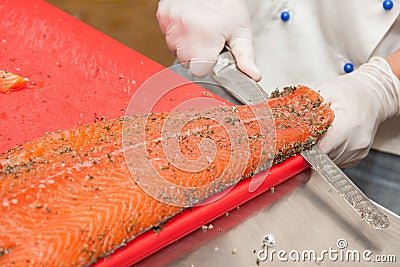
(305, 216)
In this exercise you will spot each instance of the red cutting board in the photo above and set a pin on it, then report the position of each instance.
(79, 75)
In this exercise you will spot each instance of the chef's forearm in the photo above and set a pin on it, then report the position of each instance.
(394, 62)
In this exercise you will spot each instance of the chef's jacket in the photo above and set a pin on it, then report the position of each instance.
(308, 41)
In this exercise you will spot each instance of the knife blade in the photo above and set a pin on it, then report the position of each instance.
(234, 81)
(247, 91)
(345, 187)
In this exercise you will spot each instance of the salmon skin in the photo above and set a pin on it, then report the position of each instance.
(72, 197)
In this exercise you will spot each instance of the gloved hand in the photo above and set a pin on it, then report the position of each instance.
(360, 100)
(197, 30)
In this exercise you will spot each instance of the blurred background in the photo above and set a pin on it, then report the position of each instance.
(131, 22)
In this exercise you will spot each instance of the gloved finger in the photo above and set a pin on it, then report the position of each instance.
(201, 68)
(168, 17)
(204, 63)
(330, 147)
(201, 55)
(247, 65)
(173, 38)
(162, 21)
(162, 16)
(338, 142)
(243, 51)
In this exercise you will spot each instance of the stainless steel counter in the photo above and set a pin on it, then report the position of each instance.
(306, 217)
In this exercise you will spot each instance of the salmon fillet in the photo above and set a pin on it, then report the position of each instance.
(11, 82)
(72, 197)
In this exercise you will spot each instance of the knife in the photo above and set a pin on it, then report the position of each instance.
(247, 91)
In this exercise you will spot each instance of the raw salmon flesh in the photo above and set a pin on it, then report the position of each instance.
(72, 197)
(11, 82)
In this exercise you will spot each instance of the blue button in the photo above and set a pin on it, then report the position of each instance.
(348, 67)
(285, 15)
(387, 4)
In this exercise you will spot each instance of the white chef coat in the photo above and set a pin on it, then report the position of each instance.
(319, 38)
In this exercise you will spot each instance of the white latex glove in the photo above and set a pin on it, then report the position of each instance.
(360, 100)
(197, 30)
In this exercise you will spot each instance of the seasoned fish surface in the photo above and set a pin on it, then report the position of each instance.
(72, 197)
